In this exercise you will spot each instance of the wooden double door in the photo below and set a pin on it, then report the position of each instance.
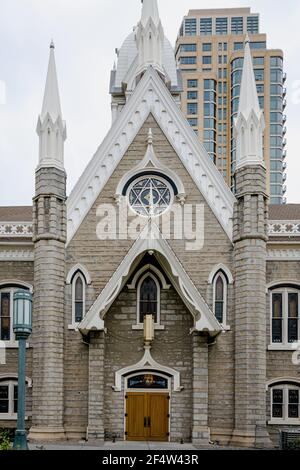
(147, 416)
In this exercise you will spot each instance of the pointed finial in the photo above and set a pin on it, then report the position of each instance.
(150, 10)
(52, 46)
(51, 103)
(247, 39)
(150, 137)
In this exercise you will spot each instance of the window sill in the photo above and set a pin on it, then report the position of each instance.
(282, 347)
(141, 327)
(13, 345)
(225, 327)
(284, 422)
(73, 327)
(9, 417)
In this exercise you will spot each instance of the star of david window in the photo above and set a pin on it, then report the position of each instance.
(150, 196)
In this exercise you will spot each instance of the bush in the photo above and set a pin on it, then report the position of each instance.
(5, 440)
(294, 444)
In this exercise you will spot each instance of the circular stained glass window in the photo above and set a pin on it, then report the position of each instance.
(150, 196)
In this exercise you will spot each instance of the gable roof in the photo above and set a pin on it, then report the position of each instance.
(16, 214)
(151, 96)
(151, 240)
(287, 212)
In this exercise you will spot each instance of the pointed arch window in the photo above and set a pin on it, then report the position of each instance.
(148, 298)
(78, 298)
(220, 297)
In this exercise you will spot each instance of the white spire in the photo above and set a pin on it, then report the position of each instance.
(150, 38)
(51, 128)
(248, 94)
(51, 103)
(150, 10)
(250, 123)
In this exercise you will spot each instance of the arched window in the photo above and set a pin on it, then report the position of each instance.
(6, 311)
(285, 318)
(78, 298)
(148, 298)
(220, 297)
(285, 403)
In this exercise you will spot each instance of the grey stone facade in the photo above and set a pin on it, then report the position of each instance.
(224, 396)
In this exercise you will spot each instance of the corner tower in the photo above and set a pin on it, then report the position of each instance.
(250, 238)
(49, 266)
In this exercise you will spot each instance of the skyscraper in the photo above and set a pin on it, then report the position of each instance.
(209, 51)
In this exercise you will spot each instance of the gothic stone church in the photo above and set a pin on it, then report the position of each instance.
(151, 337)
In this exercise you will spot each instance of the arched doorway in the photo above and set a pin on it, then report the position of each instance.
(147, 407)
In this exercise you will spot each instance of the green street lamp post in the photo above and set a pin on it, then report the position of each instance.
(22, 326)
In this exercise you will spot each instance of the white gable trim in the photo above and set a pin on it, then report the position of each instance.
(151, 240)
(149, 267)
(147, 363)
(83, 270)
(150, 162)
(151, 96)
(216, 269)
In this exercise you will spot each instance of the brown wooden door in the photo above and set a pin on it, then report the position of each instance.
(136, 410)
(158, 407)
(147, 416)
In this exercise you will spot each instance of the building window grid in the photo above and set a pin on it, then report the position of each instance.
(222, 26)
(253, 24)
(188, 48)
(237, 25)
(190, 27)
(210, 100)
(192, 83)
(206, 26)
(192, 108)
(276, 129)
(188, 60)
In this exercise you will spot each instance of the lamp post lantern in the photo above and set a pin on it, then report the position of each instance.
(22, 326)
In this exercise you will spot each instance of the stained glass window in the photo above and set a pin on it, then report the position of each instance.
(8, 398)
(150, 196)
(277, 403)
(293, 317)
(79, 299)
(4, 399)
(285, 316)
(148, 299)
(286, 402)
(220, 294)
(5, 316)
(294, 403)
(219, 299)
(277, 318)
(15, 399)
(148, 381)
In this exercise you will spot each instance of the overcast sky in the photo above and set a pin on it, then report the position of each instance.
(86, 33)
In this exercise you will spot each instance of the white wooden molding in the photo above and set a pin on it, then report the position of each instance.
(151, 96)
(147, 363)
(82, 269)
(216, 269)
(155, 270)
(152, 242)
